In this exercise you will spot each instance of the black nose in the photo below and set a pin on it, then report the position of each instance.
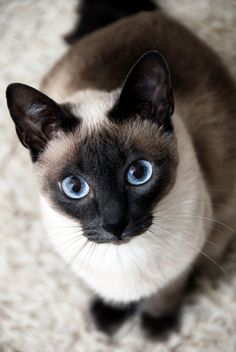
(115, 218)
(116, 228)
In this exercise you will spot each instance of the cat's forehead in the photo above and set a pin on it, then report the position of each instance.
(92, 106)
(98, 142)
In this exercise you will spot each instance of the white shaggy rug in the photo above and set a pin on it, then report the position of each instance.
(43, 307)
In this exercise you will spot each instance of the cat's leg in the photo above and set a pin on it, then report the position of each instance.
(109, 318)
(160, 312)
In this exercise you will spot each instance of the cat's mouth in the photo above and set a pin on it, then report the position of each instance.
(100, 236)
(99, 239)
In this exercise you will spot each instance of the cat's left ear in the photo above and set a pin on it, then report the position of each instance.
(147, 92)
(37, 118)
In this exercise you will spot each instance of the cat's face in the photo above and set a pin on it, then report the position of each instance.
(109, 179)
(104, 166)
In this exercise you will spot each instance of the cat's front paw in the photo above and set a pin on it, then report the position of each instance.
(109, 318)
(160, 327)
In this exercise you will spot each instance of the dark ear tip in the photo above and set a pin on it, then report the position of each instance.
(14, 85)
(19, 93)
(12, 89)
(156, 56)
(153, 53)
(9, 90)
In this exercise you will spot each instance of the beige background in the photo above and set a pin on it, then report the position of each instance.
(42, 306)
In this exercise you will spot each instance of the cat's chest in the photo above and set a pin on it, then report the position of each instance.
(117, 273)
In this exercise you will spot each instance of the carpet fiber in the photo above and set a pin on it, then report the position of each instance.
(43, 307)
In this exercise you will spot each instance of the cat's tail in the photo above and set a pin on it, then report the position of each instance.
(95, 14)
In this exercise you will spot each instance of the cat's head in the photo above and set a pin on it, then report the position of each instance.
(103, 159)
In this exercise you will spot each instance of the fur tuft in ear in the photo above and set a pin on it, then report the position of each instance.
(147, 92)
(37, 118)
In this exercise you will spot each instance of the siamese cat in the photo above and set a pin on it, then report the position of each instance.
(133, 144)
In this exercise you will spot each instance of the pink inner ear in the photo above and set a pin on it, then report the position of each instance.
(51, 128)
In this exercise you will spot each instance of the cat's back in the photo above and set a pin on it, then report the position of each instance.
(101, 60)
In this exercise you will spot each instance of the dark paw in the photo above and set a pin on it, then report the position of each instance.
(109, 318)
(160, 327)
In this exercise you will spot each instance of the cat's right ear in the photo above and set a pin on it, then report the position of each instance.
(147, 92)
(37, 118)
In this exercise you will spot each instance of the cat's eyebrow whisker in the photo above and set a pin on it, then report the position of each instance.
(199, 250)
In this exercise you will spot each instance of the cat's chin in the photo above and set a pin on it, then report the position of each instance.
(110, 238)
(114, 241)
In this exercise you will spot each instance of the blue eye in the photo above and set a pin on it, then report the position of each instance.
(75, 187)
(139, 172)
